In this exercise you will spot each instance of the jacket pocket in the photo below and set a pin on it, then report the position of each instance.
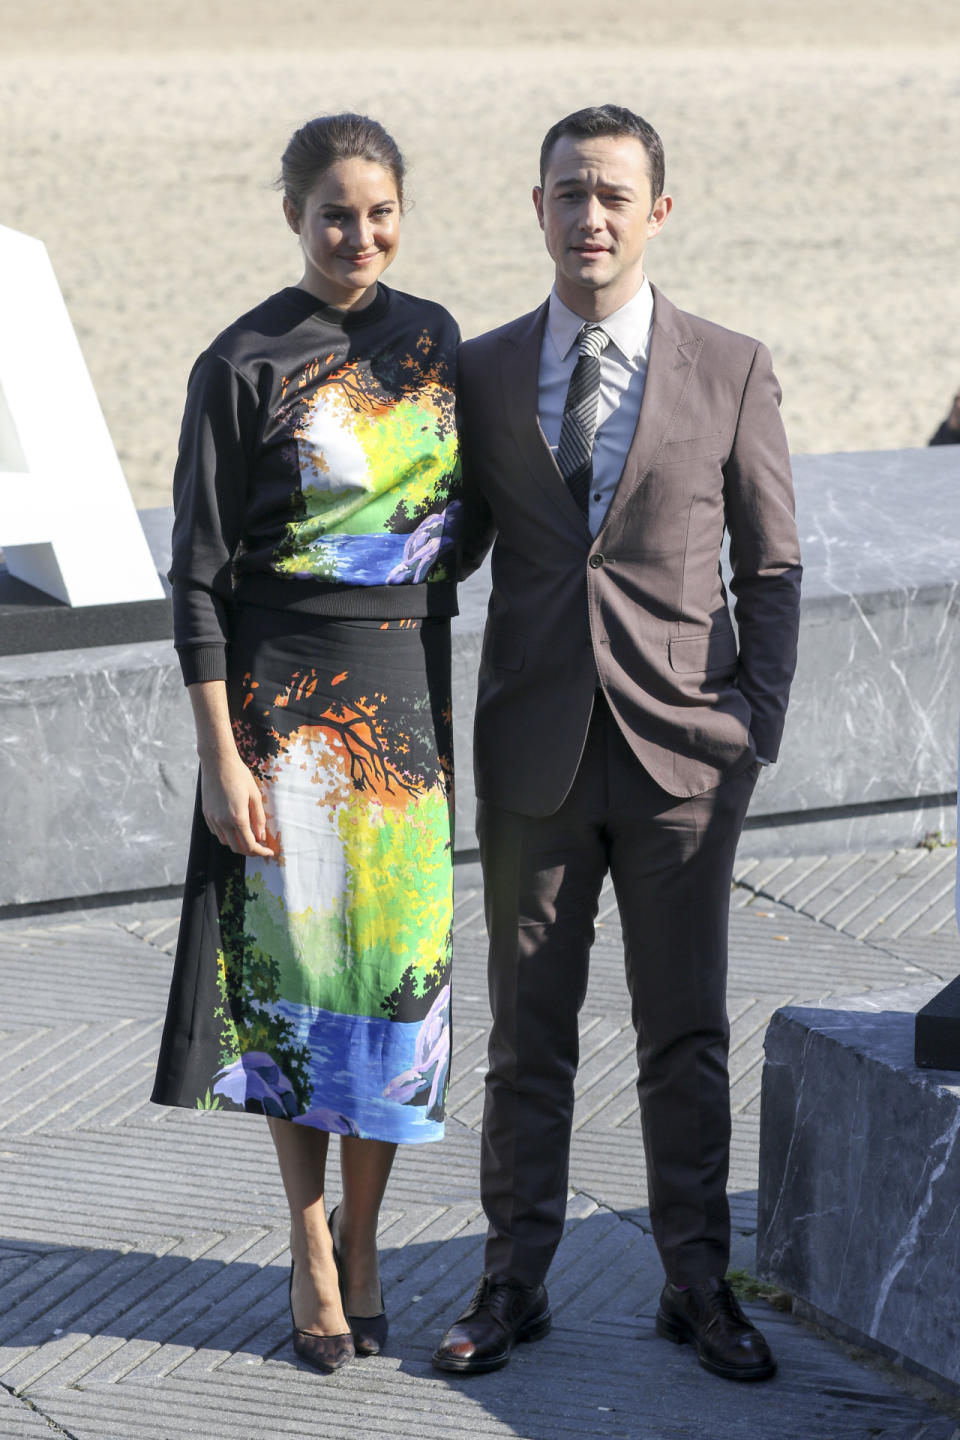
(505, 650)
(699, 654)
(697, 447)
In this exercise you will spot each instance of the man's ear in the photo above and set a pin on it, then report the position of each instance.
(658, 215)
(538, 203)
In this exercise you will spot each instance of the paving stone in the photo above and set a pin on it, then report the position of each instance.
(20, 1419)
(131, 977)
(82, 1073)
(155, 1240)
(887, 906)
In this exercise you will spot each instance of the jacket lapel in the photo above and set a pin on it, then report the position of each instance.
(671, 364)
(520, 377)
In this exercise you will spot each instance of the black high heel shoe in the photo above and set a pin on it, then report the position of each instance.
(369, 1331)
(325, 1353)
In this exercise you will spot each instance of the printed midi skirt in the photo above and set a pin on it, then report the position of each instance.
(315, 985)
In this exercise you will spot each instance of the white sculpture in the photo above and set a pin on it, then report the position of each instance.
(68, 524)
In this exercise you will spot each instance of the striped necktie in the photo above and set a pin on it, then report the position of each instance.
(575, 451)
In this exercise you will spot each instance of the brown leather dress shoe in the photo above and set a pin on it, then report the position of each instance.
(709, 1317)
(501, 1313)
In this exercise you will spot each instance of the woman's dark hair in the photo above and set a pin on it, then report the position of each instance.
(609, 120)
(320, 143)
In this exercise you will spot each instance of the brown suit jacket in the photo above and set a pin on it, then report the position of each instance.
(641, 609)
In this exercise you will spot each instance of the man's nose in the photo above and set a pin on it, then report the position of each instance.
(591, 216)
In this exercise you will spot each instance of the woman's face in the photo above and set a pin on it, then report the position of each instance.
(349, 229)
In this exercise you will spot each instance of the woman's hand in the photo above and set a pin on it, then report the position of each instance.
(229, 796)
(232, 806)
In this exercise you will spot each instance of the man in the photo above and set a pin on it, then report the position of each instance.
(948, 433)
(620, 726)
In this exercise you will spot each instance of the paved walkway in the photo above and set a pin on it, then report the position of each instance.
(143, 1256)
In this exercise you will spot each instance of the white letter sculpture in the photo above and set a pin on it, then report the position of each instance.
(68, 524)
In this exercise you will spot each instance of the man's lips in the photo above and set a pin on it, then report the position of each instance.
(590, 249)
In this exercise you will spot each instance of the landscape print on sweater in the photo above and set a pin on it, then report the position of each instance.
(378, 457)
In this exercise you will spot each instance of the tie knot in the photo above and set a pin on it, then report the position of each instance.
(592, 340)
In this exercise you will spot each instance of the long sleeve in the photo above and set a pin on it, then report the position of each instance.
(764, 555)
(209, 493)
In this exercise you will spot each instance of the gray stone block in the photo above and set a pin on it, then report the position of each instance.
(859, 1177)
(97, 772)
(99, 764)
(869, 752)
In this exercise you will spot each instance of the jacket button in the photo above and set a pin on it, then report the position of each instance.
(595, 562)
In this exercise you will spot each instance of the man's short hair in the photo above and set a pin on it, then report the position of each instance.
(608, 120)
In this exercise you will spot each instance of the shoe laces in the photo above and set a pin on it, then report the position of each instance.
(499, 1296)
(722, 1303)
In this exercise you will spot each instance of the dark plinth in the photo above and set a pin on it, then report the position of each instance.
(859, 1179)
(32, 622)
(936, 1036)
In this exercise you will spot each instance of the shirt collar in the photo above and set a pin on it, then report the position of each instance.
(628, 327)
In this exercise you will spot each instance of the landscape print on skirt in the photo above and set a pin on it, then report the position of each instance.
(315, 985)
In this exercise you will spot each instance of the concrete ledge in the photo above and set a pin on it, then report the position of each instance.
(860, 1178)
(97, 771)
(98, 744)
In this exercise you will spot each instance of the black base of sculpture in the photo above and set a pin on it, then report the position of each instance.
(31, 621)
(936, 1036)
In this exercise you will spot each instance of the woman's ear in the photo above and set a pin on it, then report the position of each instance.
(292, 214)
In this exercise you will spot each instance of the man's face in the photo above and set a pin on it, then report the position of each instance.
(597, 214)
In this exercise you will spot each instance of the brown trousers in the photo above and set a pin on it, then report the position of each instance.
(671, 862)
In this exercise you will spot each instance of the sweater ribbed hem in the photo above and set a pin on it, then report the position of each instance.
(199, 663)
(348, 602)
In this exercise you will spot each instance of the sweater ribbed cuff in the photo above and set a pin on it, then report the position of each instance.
(199, 663)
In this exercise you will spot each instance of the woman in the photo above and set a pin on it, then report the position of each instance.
(316, 496)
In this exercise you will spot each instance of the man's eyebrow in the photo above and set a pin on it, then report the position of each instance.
(621, 186)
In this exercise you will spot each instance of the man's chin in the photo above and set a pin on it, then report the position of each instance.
(589, 277)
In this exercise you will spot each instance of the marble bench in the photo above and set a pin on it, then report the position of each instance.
(859, 1200)
(97, 765)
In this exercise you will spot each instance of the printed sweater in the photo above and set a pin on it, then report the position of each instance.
(318, 469)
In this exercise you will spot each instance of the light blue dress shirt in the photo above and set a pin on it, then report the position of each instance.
(623, 374)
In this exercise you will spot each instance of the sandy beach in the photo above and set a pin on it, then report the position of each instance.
(812, 159)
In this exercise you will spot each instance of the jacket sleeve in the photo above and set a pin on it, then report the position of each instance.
(764, 554)
(479, 530)
(209, 496)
